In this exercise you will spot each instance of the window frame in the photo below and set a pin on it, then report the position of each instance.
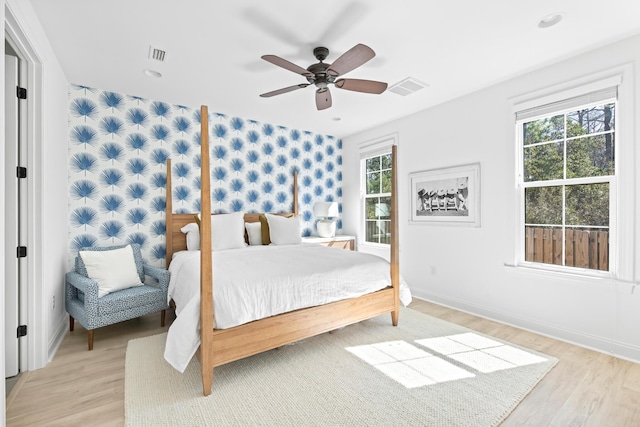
(366, 196)
(379, 147)
(622, 187)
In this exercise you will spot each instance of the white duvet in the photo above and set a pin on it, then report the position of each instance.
(262, 281)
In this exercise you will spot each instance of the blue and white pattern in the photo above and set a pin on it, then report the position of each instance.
(118, 147)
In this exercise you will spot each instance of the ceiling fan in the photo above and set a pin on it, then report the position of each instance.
(322, 75)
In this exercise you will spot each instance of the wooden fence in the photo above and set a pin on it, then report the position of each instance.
(584, 248)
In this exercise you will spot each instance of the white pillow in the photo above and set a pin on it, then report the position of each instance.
(193, 236)
(227, 231)
(284, 231)
(254, 232)
(113, 269)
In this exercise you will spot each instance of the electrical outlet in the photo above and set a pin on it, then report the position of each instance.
(53, 302)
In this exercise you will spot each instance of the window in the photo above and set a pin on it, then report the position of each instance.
(567, 180)
(377, 198)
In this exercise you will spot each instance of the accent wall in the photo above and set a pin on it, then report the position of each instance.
(118, 147)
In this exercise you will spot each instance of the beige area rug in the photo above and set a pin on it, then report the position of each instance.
(425, 372)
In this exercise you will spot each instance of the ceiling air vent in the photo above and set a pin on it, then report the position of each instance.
(407, 86)
(156, 54)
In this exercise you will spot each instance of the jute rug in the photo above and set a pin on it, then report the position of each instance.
(425, 372)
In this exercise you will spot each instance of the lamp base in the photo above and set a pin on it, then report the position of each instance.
(326, 228)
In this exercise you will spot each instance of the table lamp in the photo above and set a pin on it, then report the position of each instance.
(326, 210)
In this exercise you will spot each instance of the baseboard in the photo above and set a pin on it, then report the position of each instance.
(602, 345)
(58, 336)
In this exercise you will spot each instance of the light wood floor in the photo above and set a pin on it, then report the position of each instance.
(586, 388)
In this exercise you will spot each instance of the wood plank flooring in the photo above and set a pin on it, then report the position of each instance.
(78, 387)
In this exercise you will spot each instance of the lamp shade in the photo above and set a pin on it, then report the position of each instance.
(326, 227)
(325, 210)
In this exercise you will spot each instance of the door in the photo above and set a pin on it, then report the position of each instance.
(12, 229)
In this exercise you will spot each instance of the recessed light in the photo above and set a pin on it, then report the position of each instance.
(550, 20)
(336, 119)
(152, 73)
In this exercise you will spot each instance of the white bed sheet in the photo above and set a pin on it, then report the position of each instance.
(251, 284)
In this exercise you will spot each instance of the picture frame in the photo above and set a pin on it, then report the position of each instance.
(446, 196)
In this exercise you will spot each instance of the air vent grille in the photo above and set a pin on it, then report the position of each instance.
(407, 86)
(156, 54)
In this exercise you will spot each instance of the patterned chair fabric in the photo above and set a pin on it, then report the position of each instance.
(82, 302)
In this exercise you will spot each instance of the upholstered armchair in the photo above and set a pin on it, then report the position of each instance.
(84, 299)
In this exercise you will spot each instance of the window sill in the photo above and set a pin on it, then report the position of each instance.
(569, 272)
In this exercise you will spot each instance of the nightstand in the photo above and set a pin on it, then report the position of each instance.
(342, 242)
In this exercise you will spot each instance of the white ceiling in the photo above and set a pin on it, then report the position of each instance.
(213, 49)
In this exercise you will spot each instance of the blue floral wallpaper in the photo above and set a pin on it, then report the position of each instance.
(118, 146)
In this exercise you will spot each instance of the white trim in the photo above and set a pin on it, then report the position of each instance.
(2, 254)
(607, 346)
(563, 91)
(34, 308)
(376, 147)
(622, 262)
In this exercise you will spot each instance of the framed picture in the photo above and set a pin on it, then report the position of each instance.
(446, 196)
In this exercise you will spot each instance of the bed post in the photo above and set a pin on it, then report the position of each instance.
(206, 272)
(295, 193)
(168, 218)
(395, 255)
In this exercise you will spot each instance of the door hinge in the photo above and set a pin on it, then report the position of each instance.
(21, 92)
(21, 172)
(22, 251)
(22, 331)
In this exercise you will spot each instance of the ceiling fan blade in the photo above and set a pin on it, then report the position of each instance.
(323, 98)
(284, 90)
(276, 60)
(350, 60)
(357, 85)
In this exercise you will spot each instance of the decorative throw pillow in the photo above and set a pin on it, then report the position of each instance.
(264, 224)
(137, 257)
(227, 231)
(254, 233)
(284, 231)
(113, 269)
(193, 236)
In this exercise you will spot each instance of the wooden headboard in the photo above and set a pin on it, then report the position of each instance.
(177, 240)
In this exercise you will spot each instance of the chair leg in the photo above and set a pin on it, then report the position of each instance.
(71, 323)
(90, 336)
(163, 313)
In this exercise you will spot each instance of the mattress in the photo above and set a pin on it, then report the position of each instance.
(262, 281)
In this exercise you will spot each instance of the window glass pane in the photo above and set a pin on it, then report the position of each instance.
(373, 164)
(543, 205)
(591, 120)
(386, 181)
(543, 162)
(373, 183)
(590, 156)
(547, 129)
(386, 161)
(587, 204)
(370, 207)
(383, 208)
(371, 231)
(384, 231)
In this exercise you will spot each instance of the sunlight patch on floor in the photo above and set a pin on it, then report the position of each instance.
(407, 364)
(414, 367)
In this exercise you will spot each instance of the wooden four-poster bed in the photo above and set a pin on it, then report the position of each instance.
(221, 346)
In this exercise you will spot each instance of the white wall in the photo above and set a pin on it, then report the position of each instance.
(469, 263)
(47, 183)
